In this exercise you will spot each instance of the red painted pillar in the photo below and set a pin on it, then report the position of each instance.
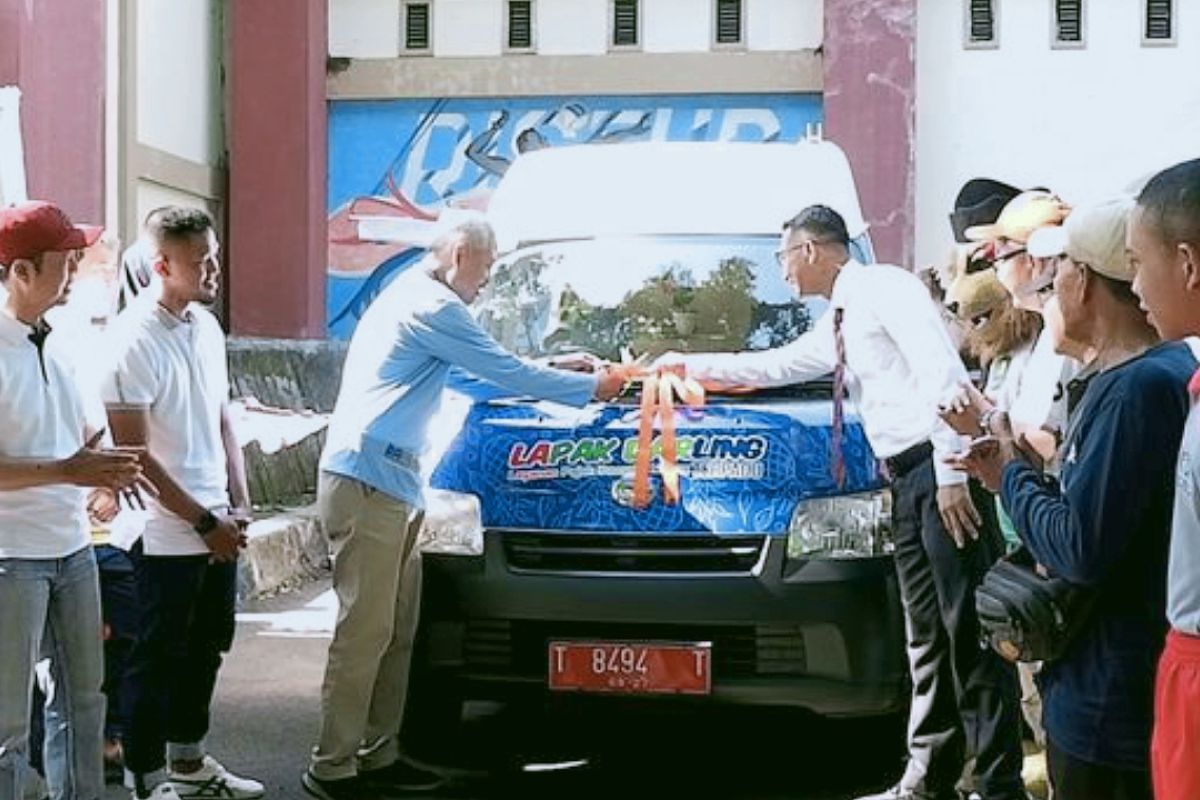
(54, 50)
(277, 168)
(870, 94)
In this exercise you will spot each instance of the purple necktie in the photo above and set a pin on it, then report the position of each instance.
(839, 391)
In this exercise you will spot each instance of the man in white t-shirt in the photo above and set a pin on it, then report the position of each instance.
(49, 589)
(169, 392)
(1164, 248)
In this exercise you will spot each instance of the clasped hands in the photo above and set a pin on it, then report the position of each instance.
(993, 443)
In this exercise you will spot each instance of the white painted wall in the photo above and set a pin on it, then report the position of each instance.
(572, 27)
(364, 28)
(1084, 122)
(785, 24)
(468, 27)
(677, 26)
(179, 99)
(371, 28)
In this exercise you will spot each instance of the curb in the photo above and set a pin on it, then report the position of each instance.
(283, 551)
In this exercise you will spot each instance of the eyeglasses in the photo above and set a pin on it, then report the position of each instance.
(1020, 251)
(782, 255)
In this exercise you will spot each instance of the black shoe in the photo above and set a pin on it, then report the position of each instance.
(351, 788)
(401, 777)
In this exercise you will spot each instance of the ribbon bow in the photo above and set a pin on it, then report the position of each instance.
(659, 391)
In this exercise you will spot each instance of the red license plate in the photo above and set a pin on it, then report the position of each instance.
(631, 667)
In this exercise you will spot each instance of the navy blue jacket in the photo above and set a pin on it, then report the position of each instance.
(1108, 526)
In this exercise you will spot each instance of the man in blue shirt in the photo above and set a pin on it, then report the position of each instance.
(370, 497)
(1107, 526)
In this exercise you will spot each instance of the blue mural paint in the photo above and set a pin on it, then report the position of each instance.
(413, 158)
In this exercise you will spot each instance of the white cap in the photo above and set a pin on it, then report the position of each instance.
(1092, 235)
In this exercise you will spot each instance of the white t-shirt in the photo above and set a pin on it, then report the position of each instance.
(176, 370)
(1041, 400)
(42, 417)
(1183, 577)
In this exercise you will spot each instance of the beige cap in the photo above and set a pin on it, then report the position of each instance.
(1024, 214)
(1092, 235)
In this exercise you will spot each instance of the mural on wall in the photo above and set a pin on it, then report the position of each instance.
(410, 160)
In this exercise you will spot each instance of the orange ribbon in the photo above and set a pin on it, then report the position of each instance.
(659, 390)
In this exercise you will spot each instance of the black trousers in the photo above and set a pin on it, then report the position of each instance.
(119, 604)
(186, 622)
(1073, 779)
(966, 699)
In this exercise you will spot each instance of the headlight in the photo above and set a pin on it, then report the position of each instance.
(854, 526)
(452, 524)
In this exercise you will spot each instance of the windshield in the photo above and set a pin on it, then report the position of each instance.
(643, 296)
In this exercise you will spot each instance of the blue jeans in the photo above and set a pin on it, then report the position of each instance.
(50, 608)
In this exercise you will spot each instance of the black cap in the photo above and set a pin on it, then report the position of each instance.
(979, 202)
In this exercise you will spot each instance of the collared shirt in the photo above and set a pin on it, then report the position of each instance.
(42, 416)
(901, 363)
(174, 369)
(1183, 575)
(396, 370)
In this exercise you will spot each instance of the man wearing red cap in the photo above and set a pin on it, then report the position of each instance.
(49, 588)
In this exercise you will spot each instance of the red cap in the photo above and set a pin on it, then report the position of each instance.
(29, 229)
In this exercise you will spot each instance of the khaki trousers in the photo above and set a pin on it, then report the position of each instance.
(377, 580)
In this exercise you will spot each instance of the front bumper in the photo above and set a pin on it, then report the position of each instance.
(824, 635)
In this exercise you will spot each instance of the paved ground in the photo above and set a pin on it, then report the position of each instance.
(266, 719)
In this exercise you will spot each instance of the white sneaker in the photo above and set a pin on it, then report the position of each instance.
(213, 781)
(164, 791)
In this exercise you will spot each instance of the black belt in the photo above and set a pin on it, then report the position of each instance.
(904, 462)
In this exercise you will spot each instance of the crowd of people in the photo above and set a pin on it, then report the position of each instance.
(1035, 396)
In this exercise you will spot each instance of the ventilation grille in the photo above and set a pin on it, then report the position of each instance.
(729, 21)
(1068, 21)
(981, 22)
(625, 23)
(520, 24)
(561, 553)
(416, 26)
(1160, 20)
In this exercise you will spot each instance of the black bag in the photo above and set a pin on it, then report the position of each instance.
(1025, 615)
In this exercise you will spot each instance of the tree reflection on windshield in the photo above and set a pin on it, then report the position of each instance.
(644, 296)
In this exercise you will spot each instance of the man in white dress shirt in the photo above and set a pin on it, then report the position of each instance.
(899, 365)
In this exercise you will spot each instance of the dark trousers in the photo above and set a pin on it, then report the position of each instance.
(1073, 779)
(119, 606)
(186, 623)
(966, 700)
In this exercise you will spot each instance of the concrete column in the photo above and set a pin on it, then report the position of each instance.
(277, 167)
(870, 94)
(54, 50)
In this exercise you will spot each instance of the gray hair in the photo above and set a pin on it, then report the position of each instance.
(473, 231)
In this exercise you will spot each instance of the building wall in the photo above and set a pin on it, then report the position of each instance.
(371, 28)
(54, 51)
(1086, 122)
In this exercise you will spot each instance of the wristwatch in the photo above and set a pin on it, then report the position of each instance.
(206, 524)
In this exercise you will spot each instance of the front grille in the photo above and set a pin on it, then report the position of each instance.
(519, 648)
(534, 552)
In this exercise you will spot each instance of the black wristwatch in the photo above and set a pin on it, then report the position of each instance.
(206, 524)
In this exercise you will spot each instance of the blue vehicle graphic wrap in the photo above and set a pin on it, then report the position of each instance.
(744, 466)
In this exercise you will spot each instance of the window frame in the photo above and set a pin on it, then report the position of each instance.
(1068, 44)
(405, 50)
(613, 47)
(507, 43)
(1173, 39)
(990, 44)
(740, 44)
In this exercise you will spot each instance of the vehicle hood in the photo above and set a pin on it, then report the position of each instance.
(745, 466)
